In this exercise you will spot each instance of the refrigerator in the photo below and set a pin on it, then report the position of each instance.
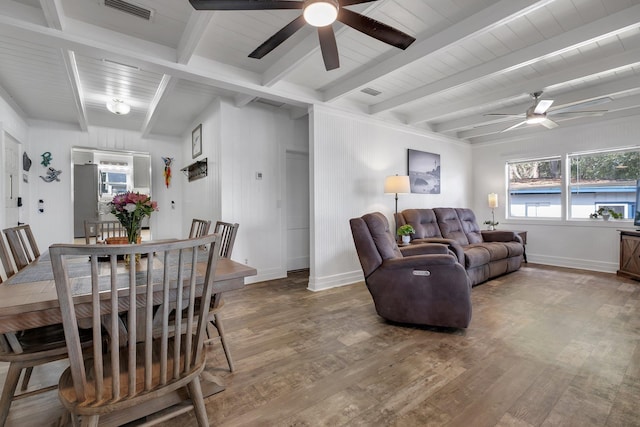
(85, 196)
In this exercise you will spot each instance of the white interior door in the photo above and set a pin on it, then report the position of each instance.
(297, 211)
(12, 180)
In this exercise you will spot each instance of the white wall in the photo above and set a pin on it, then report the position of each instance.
(238, 143)
(350, 157)
(588, 244)
(55, 225)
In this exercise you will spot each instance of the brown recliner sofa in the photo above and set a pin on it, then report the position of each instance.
(485, 254)
(420, 284)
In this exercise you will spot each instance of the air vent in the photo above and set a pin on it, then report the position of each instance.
(370, 91)
(269, 102)
(130, 8)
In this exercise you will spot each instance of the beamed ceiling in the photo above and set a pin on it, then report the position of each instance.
(62, 60)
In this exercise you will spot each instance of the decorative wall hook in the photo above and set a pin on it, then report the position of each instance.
(46, 159)
(52, 175)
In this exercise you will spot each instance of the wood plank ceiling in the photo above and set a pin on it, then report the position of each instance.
(62, 60)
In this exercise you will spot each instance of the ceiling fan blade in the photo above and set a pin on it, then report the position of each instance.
(514, 126)
(275, 40)
(329, 47)
(542, 106)
(585, 104)
(375, 29)
(245, 4)
(504, 114)
(549, 124)
(344, 3)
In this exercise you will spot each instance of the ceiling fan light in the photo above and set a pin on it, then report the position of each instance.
(320, 13)
(118, 106)
(532, 120)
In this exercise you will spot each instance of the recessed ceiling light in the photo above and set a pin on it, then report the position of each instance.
(118, 106)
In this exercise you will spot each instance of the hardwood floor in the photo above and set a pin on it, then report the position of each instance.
(546, 347)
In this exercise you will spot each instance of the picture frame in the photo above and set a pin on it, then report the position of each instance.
(196, 141)
(424, 172)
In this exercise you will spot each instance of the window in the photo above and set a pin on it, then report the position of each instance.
(538, 188)
(603, 180)
(535, 188)
(113, 182)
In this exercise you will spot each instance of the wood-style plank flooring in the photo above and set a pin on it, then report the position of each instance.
(546, 347)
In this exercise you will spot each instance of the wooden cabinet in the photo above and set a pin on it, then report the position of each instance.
(629, 254)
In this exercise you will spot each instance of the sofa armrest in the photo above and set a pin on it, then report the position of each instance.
(417, 261)
(453, 246)
(424, 249)
(500, 236)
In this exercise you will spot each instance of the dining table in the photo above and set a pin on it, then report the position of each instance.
(28, 299)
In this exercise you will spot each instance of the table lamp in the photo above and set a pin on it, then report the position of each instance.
(493, 203)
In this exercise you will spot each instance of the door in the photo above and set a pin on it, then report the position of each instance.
(11, 179)
(85, 196)
(297, 165)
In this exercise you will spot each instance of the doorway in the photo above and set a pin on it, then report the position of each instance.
(298, 231)
(12, 181)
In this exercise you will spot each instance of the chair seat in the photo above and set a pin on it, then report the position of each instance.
(109, 403)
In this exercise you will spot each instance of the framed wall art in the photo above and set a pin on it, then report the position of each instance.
(196, 141)
(424, 172)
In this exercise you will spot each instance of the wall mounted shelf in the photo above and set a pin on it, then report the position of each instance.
(196, 170)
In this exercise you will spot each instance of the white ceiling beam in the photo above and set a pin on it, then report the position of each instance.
(164, 88)
(155, 58)
(193, 33)
(55, 19)
(483, 21)
(605, 27)
(623, 60)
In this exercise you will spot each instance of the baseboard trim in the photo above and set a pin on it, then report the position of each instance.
(327, 282)
(581, 264)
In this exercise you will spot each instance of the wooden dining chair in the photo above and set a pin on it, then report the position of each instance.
(227, 234)
(126, 379)
(24, 350)
(96, 232)
(199, 227)
(22, 244)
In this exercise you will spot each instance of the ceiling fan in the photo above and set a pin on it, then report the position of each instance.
(320, 14)
(539, 112)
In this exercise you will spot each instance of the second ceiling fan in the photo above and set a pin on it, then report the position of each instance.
(319, 13)
(539, 112)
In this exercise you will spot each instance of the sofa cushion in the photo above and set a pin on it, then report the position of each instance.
(496, 251)
(424, 222)
(450, 225)
(379, 228)
(476, 255)
(469, 225)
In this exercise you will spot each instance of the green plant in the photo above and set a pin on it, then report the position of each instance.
(405, 230)
(602, 211)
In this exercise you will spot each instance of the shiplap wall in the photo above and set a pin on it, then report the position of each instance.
(350, 157)
(587, 244)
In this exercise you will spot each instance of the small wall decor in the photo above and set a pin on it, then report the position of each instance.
(167, 170)
(196, 170)
(46, 159)
(196, 141)
(26, 162)
(424, 172)
(52, 175)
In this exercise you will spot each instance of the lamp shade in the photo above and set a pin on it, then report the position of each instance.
(493, 200)
(397, 184)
